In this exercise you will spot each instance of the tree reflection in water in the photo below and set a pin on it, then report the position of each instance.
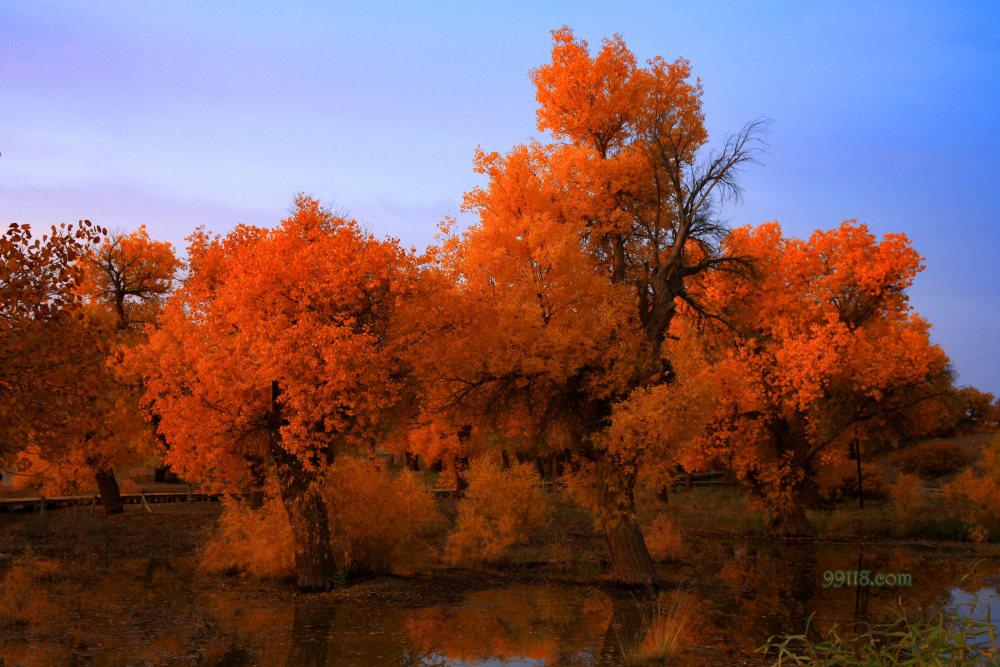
(727, 598)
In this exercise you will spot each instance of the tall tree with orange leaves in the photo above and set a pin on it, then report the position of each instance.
(127, 279)
(820, 349)
(39, 320)
(276, 352)
(564, 291)
(121, 284)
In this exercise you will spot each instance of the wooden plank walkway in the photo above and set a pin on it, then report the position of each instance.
(36, 504)
(701, 479)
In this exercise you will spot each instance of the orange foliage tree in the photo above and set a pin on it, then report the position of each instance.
(820, 348)
(126, 280)
(40, 322)
(123, 283)
(277, 352)
(560, 298)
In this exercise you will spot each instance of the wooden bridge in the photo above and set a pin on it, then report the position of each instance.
(144, 498)
(41, 503)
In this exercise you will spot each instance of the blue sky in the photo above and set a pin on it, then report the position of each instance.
(192, 113)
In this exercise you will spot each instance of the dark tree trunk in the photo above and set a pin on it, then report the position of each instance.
(631, 564)
(307, 515)
(461, 467)
(662, 494)
(111, 496)
(505, 459)
(412, 461)
(790, 438)
(258, 479)
(303, 500)
(540, 467)
(794, 523)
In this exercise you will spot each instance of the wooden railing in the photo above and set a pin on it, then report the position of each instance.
(39, 503)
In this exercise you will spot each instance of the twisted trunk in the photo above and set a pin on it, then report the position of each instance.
(307, 515)
(303, 500)
(631, 564)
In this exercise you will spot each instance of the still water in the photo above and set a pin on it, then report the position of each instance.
(724, 599)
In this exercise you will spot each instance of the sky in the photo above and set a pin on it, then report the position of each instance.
(181, 114)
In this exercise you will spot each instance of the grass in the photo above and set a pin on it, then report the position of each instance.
(729, 510)
(665, 631)
(947, 638)
(724, 509)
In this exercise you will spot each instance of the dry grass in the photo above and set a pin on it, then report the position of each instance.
(665, 632)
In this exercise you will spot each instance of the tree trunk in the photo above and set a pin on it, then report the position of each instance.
(461, 464)
(307, 515)
(111, 496)
(795, 523)
(631, 564)
(258, 479)
(540, 467)
(303, 500)
(662, 494)
(505, 459)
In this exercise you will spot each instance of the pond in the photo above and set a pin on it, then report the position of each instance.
(723, 600)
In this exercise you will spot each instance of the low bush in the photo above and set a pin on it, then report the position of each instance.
(975, 497)
(501, 508)
(377, 524)
(932, 458)
(907, 496)
(838, 480)
(251, 541)
(378, 521)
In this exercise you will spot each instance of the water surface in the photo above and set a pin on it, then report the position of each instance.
(727, 595)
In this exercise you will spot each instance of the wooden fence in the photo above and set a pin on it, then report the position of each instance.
(42, 503)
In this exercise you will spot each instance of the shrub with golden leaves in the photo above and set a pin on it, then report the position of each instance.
(252, 541)
(663, 539)
(378, 521)
(976, 497)
(932, 458)
(501, 508)
(907, 496)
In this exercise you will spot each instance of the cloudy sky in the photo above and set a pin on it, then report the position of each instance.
(181, 114)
